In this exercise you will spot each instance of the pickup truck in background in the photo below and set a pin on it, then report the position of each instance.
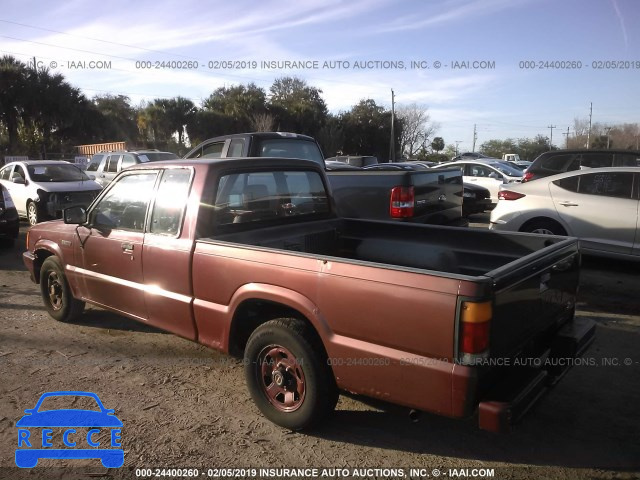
(406, 196)
(250, 258)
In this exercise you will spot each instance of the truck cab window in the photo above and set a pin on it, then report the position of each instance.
(171, 202)
(124, 207)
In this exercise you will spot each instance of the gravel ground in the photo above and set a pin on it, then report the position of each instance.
(184, 406)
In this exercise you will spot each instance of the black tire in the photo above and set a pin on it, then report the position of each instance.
(56, 294)
(288, 375)
(548, 227)
(33, 215)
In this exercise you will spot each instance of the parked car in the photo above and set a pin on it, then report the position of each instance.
(335, 166)
(469, 156)
(475, 198)
(598, 206)
(489, 173)
(559, 161)
(41, 189)
(522, 164)
(251, 258)
(104, 166)
(9, 220)
(355, 160)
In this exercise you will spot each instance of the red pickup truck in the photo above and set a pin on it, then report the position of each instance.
(249, 257)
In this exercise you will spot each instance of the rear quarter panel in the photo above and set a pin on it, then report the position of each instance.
(388, 333)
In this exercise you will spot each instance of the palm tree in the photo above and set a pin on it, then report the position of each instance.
(12, 86)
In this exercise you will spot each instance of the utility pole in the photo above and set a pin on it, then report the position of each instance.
(392, 150)
(566, 139)
(608, 129)
(589, 132)
(551, 127)
(458, 142)
(475, 137)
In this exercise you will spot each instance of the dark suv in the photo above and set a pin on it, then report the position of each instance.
(560, 161)
(104, 166)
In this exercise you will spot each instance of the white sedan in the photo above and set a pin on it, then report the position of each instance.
(41, 189)
(599, 206)
(490, 173)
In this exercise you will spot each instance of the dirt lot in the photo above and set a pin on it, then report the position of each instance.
(184, 406)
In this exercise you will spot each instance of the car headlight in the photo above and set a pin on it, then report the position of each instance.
(468, 195)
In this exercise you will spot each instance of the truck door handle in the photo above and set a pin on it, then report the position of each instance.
(127, 247)
(568, 204)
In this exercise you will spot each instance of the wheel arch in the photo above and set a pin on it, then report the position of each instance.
(544, 218)
(252, 309)
(41, 252)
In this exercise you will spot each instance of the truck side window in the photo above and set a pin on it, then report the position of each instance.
(127, 161)
(235, 148)
(124, 207)
(213, 150)
(171, 201)
(112, 164)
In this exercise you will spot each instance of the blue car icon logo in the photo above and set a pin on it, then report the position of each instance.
(69, 433)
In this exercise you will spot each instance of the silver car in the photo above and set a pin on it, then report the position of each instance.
(600, 206)
(41, 189)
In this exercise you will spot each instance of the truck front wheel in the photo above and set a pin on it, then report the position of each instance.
(287, 374)
(56, 293)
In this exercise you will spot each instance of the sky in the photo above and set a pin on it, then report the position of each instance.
(511, 68)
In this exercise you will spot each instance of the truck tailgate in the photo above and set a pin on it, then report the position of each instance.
(533, 297)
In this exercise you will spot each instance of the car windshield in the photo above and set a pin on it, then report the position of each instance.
(510, 170)
(56, 173)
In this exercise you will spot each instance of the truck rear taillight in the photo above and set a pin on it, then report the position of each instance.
(527, 176)
(509, 195)
(475, 320)
(402, 202)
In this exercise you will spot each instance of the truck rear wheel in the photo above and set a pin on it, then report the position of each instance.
(287, 374)
(56, 293)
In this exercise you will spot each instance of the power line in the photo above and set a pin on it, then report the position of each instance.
(94, 39)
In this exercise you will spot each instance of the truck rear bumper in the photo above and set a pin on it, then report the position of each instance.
(514, 396)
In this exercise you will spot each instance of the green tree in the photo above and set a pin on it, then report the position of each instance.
(178, 111)
(438, 144)
(297, 106)
(120, 118)
(496, 148)
(12, 86)
(153, 124)
(240, 103)
(529, 149)
(367, 130)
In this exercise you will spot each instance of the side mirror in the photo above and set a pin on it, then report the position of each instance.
(19, 180)
(92, 177)
(75, 215)
(494, 175)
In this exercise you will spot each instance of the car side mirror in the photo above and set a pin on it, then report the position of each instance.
(19, 180)
(75, 215)
(92, 177)
(493, 175)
